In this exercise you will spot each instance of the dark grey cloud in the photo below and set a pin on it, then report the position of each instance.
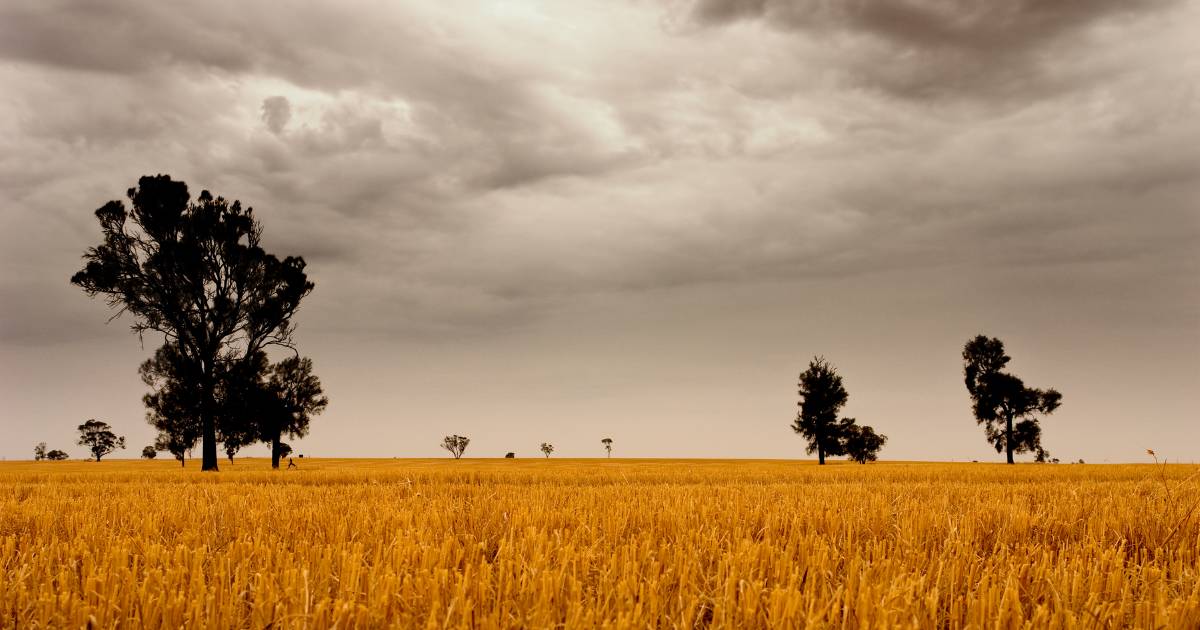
(946, 48)
(276, 112)
(991, 27)
(501, 123)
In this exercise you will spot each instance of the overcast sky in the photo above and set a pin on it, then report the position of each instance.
(563, 221)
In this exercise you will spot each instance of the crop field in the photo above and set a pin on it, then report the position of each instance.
(598, 543)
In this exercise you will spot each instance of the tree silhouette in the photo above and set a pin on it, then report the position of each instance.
(860, 443)
(510, 455)
(175, 444)
(195, 271)
(1002, 403)
(607, 442)
(98, 437)
(247, 408)
(822, 396)
(456, 444)
(547, 448)
(253, 400)
(57, 456)
(283, 449)
(149, 452)
(39, 452)
(294, 396)
(172, 404)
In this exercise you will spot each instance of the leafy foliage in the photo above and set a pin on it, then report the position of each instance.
(174, 444)
(253, 401)
(173, 404)
(98, 437)
(547, 449)
(293, 395)
(1002, 403)
(822, 397)
(456, 444)
(860, 443)
(196, 272)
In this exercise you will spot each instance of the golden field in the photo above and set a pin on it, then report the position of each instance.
(540, 543)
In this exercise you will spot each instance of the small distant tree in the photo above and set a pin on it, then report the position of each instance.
(861, 443)
(822, 397)
(231, 448)
(284, 450)
(510, 455)
(39, 452)
(149, 453)
(57, 456)
(178, 445)
(456, 444)
(547, 448)
(98, 437)
(607, 442)
(1002, 403)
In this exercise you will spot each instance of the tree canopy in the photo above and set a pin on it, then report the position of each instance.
(253, 400)
(196, 272)
(173, 444)
(292, 395)
(172, 406)
(456, 444)
(822, 397)
(861, 443)
(98, 437)
(1002, 403)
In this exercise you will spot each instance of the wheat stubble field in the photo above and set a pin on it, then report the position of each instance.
(587, 543)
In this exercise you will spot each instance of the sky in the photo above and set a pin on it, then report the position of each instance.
(550, 221)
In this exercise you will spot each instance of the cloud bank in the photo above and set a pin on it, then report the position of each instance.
(463, 170)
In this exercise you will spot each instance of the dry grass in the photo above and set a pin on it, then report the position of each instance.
(612, 543)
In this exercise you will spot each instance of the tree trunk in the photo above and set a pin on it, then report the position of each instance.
(209, 446)
(275, 451)
(208, 421)
(1008, 445)
(821, 455)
